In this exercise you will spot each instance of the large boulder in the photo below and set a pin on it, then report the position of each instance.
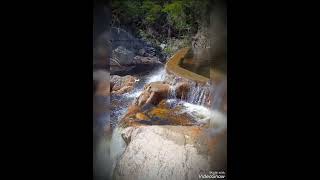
(153, 93)
(123, 61)
(169, 152)
(157, 91)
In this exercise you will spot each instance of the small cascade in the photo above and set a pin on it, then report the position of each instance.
(199, 94)
(172, 93)
(171, 79)
(123, 101)
(159, 75)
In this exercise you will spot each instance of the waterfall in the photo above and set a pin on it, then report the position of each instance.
(159, 75)
(199, 94)
(124, 100)
(172, 92)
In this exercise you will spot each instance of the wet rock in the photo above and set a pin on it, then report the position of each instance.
(124, 60)
(151, 51)
(142, 116)
(161, 114)
(116, 69)
(168, 116)
(169, 152)
(159, 86)
(146, 60)
(132, 109)
(142, 99)
(182, 89)
(122, 84)
(153, 93)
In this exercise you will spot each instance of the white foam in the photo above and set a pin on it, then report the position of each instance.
(156, 76)
(216, 119)
(134, 94)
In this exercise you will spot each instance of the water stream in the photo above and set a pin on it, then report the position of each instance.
(195, 107)
(197, 96)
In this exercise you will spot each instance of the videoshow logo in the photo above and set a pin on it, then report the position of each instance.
(213, 175)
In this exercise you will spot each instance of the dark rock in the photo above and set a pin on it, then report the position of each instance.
(122, 56)
(141, 52)
(146, 60)
(150, 51)
(118, 70)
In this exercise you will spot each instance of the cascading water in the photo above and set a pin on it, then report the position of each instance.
(158, 75)
(199, 94)
(198, 105)
(172, 92)
(207, 95)
(123, 101)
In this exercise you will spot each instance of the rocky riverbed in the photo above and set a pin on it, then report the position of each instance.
(160, 126)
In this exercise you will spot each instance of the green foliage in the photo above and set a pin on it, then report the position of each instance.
(133, 9)
(177, 16)
(153, 14)
(125, 11)
(165, 18)
(175, 44)
(151, 10)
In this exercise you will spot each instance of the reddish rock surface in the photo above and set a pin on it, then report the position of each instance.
(122, 84)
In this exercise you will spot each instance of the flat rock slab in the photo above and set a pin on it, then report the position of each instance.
(168, 152)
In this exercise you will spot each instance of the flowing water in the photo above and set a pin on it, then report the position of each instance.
(122, 102)
(194, 107)
(198, 95)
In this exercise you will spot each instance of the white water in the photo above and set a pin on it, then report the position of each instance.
(198, 94)
(119, 112)
(194, 104)
(215, 119)
(134, 94)
(159, 75)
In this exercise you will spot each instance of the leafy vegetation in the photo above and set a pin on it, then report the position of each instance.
(160, 21)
